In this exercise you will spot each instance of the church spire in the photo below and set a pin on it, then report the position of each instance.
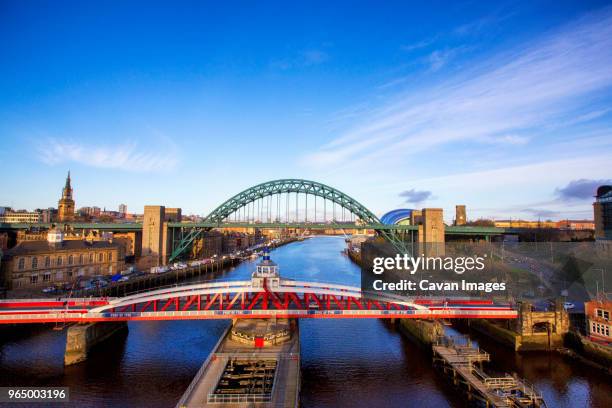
(66, 203)
(67, 190)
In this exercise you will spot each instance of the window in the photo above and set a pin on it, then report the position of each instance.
(110, 256)
(21, 263)
(59, 261)
(100, 257)
(47, 262)
(34, 262)
(34, 279)
(81, 258)
(59, 276)
(47, 277)
(70, 260)
(90, 258)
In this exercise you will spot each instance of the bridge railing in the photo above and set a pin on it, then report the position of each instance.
(238, 398)
(185, 397)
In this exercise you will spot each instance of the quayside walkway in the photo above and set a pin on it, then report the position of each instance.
(463, 365)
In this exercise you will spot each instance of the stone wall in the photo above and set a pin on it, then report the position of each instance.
(518, 342)
(424, 331)
(81, 338)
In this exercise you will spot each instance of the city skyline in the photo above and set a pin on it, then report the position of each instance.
(503, 108)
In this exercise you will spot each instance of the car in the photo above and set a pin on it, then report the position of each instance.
(568, 305)
(50, 289)
(124, 279)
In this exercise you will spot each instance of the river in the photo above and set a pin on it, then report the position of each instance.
(345, 363)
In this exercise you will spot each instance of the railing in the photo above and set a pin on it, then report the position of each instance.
(262, 397)
(63, 315)
(181, 403)
(500, 382)
(238, 398)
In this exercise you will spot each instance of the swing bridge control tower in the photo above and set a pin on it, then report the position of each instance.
(256, 362)
(266, 274)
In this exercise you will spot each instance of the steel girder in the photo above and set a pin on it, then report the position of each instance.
(291, 186)
(282, 186)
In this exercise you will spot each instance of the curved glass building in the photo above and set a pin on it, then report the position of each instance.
(399, 216)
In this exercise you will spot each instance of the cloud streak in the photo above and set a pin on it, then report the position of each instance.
(514, 93)
(415, 197)
(122, 157)
(581, 189)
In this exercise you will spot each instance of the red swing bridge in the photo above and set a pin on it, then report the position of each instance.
(265, 295)
(256, 298)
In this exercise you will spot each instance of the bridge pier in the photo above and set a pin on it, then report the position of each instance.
(425, 332)
(80, 338)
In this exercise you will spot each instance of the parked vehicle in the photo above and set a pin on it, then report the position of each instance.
(159, 269)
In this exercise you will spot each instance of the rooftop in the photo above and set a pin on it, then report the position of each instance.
(36, 247)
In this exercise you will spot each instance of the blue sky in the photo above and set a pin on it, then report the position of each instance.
(502, 106)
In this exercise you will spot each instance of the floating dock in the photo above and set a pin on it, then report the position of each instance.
(255, 364)
(463, 365)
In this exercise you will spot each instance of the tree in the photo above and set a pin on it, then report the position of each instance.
(481, 222)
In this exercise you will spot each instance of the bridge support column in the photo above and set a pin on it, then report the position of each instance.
(425, 332)
(81, 338)
(431, 232)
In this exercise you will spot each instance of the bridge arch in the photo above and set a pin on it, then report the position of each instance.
(279, 187)
(284, 186)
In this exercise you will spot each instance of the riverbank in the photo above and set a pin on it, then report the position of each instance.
(344, 362)
(207, 271)
(587, 352)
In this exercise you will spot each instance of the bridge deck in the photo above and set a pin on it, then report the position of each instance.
(285, 392)
(240, 299)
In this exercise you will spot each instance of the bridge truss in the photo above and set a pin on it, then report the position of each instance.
(239, 299)
(267, 203)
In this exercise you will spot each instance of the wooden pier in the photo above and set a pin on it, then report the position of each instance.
(463, 365)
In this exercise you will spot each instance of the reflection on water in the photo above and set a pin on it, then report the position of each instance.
(345, 363)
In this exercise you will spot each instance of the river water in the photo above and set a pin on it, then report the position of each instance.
(345, 363)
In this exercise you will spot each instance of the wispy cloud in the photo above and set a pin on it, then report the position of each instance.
(540, 212)
(417, 45)
(513, 93)
(477, 26)
(515, 140)
(414, 196)
(581, 189)
(123, 157)
(439, 58)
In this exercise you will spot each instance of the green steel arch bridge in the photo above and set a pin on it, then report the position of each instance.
(281, 204)
(269, 205)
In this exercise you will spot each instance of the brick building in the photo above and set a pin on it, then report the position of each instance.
(32, 264)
